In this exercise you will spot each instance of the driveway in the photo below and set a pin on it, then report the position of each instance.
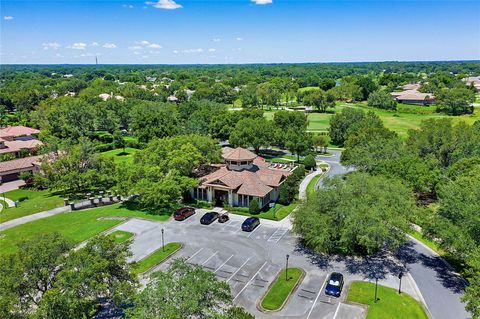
(249, 262)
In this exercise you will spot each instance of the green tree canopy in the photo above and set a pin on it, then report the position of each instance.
(256, 133)
(382, 100)
(154, 119)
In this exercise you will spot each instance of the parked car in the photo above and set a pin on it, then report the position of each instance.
(223, 218)
(209, 218)
(183, 213)
(250, 223)
(334, 285)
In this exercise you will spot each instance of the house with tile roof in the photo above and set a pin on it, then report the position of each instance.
(19, 140)
(11, 170)
(242, 177)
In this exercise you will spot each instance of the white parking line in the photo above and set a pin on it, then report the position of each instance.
(250, 281)
(195, 254)
(316, 298)
(273, 234)
(251, 233)
(206, 261)
(238, 269)
(336, 311)
(223, 263)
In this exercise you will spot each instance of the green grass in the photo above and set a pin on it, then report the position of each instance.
(75, 226)
(30, 202)
(278, 212)
(120, 155)
(281, 289)
(121, 236)
(156, 257)
(311, 186)
(390, 304)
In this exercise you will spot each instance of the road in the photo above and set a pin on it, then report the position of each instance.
(440, 287)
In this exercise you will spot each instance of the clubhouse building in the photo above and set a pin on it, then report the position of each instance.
(242, 177)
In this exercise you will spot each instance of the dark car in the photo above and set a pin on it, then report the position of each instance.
(183, 213)
(209, 218)
(334, 285)
(223, 218)
(250, 224)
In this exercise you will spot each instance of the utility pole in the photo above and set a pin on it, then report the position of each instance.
(163, 241)
(286, 268)
(376, 284)
(400, 275)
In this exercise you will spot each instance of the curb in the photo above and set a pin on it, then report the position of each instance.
(152, 269)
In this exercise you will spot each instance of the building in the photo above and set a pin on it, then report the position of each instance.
(242, 177)
(11, 170)
(473, 81)
(413, 97)
(19, 140)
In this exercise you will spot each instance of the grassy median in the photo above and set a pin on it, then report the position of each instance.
(390, 303)
(121, 236)
(281, 289)
(156, 257)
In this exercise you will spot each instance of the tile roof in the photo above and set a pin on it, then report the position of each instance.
(17, 145)
(412, 95)
(21, 163)
(237, 154)
(17, 131)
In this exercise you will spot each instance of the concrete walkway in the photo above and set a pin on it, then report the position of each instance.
(9, 202)
(29, 218)
(10, 186)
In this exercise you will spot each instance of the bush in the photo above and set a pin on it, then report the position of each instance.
(309, 162)
(104, 147)
(382, 100)
(254, 207)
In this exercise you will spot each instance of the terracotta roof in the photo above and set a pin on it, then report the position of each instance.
(237, 154)
(17, 131)
(411, 86)
(21, 163)
(17, 145)
(412, 95)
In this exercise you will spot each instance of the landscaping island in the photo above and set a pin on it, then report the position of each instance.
(390, 304)
(281, 289)
(155, 258)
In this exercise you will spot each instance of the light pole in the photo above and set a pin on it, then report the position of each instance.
(286, 268)
(376, 284)
(400, 275)
(163, 241)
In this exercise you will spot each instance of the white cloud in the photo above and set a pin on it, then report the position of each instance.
(261, 2)
(175, 51)
(77, 46)
(7, 18)
(129, 6)
(135, 47)
(212, 50)
(199, 50)
(51, 45)
(58, 55)
(136, 53)
(109, 46)
(216, 40)
(239, 39)
(94, 44)
(154, 46)
(145, 44)
(165, 4)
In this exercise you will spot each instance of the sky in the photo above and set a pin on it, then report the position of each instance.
(237, 31)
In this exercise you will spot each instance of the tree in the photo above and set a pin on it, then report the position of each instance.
(298, 142)
(254, 207)
(309, 162)
(318, 99)
(367, 86)
(361, 214)
(341, 122)
(119, 140)
(472, 292)
(455, 101)
(185, 291)
(319, 143)
(256, 133)
(382, 100)
(153, 119)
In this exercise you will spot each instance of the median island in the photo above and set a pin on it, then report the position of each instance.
(390, 304)
(155, 258)
(278, 293)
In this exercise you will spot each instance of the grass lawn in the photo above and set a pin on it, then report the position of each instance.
(281, 289)
(156, 257)
(30, 202)
(311, 186)
(278, 212)
(120, 155)
(390, 304)
(75, 226)
(121, 236)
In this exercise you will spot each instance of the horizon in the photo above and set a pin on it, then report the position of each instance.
(183, 32)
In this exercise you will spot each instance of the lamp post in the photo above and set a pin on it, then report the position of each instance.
(163, 241)
(376, 284)
(286, 268)
(400, 275)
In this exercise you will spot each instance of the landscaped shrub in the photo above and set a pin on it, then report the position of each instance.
(309, 162)
(254, 207)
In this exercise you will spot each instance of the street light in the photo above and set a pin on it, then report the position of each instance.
(286, 268)
(376, 284)
(163, 241)
(400, 275)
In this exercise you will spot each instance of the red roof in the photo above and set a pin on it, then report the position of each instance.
(17, 131)
(21, 163)
(17, 145)
(237, 154)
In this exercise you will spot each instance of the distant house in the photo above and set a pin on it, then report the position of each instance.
(19, 139)
(11, 170)
(413, 97)
(411, 86)
(172, 98)
(473, 81)
(151, 79)
(242, 178)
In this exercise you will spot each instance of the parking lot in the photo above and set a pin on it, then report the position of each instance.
(249, 262)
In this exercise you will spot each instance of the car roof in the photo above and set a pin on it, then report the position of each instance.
(336, 275)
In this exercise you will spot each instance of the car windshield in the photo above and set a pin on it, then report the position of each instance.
(334, 283)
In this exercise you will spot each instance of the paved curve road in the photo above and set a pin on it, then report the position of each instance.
(440, 287)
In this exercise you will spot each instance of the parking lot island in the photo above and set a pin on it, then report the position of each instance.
(281, 289)
(157, 257)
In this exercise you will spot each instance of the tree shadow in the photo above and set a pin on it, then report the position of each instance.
(320, 260)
